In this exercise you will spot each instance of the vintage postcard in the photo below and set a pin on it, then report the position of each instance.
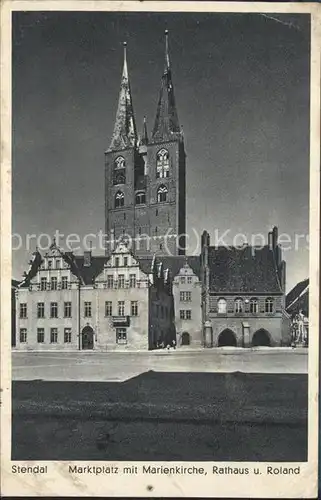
(160, 202)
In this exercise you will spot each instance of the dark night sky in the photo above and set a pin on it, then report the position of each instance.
(242, 92)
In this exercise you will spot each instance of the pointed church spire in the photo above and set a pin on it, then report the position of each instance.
(144, 136)
(166, 125)
(125, 134)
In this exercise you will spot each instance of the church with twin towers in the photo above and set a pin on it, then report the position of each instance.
(145, 174)
(145, 292)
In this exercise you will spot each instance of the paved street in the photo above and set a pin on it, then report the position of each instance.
(160, 406)
(169, 416)
(113, 366)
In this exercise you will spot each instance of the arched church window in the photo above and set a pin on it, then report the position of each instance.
(162, 193)
(162, 164)
(254, 305)
(221, 306)
(140, 198)
(238, 305)
(269, 303)
(119, 176)
(119, 162)
(119, 199)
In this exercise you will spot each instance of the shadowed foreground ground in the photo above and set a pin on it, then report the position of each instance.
(163, 416)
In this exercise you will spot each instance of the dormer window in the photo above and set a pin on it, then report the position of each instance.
(49, 264)
(162, 164)
(119, 199)
(162, 193)
(140, 198)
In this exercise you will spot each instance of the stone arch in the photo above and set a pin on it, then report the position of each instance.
(261, 338)
(186, 338)
(227, 338)
(87, 338)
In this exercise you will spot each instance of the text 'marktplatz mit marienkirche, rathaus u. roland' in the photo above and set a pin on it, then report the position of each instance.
(145, 292)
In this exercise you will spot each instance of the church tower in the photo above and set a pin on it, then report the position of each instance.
(145, 177)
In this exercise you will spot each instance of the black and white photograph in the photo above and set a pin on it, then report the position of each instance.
(164, 308)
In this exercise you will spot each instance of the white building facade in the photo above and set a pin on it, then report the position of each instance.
(69, 302)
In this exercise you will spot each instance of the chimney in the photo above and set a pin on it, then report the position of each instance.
(275, 237)
(270, 240)
(87, 258)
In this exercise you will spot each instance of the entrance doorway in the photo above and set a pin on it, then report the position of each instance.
(186, 338)
(226, 338)
(87, 338)
(261, 338)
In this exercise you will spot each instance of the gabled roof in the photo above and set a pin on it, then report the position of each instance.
(90, 273)
(296, 292)
(245, 269)
(34, 265)
(145, 264)
(298, 298)
(14, 283)
(176, 262)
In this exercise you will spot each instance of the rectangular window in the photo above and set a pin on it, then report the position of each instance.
(182, 280)
(40, 335)
(53, 310)
(23, 335)
(87, 311)
(121, 308)
(188, 314)
(23, 310)
(125, 261)
(58, 264)
(49, 264)
(132, 280)
(53, 283)
(134, 307)
(40, 310)
(121, 281)
(53, 335)
(110, 281)
(117, 261)
(64, 282)
(185, 296)
(67, 335)
(108, 308)
(121, 335)
(43, 284)
(67, 309)
(189, 279)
